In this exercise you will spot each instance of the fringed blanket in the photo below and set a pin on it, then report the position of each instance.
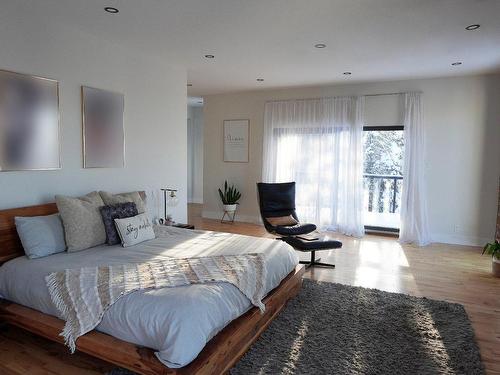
(83, 295)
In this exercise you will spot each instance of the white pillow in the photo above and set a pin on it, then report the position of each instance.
(135, 229)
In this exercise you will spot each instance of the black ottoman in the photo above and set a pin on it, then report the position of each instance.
(312, 246)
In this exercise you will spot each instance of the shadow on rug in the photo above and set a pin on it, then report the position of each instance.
(339, 329)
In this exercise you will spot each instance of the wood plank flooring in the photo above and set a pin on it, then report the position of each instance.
(446, 272)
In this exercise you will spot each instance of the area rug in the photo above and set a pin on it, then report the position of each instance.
(339, 329)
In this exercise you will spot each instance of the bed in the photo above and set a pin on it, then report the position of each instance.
(193, 329)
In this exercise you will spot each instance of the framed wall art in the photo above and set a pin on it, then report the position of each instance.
(236, 140)
(103, 134)
(29, 122)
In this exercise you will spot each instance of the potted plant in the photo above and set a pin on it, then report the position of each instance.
(493, 249)
(229, 197)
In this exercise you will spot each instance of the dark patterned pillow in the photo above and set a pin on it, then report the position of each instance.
(117, 211)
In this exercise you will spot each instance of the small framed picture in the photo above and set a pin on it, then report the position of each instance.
(236, 141)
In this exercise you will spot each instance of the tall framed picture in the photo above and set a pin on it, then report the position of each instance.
(103, 134)
(236, 141)
(29, 122)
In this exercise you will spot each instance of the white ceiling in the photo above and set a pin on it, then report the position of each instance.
(274, 39)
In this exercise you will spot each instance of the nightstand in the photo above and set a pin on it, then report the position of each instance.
(184, 226)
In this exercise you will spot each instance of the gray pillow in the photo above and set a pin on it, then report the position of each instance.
(117, 211)
(134, 196)
(41, 235)
(82, 221)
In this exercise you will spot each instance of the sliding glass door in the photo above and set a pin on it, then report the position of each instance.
(383, 176)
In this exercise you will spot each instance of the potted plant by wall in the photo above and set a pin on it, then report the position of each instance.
(229, 197)
(493, 249)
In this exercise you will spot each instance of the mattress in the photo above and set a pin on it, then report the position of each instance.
(175, 322)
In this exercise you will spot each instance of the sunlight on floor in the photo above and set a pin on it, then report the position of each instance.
(382, 255)
(373, 262)
(377, 264)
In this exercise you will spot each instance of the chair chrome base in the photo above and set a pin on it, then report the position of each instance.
(315, 262)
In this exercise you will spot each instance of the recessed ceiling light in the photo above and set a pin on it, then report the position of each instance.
(209, 56)
(260, 79)
(189, 85)
(111, 10)
(347, 73)
(320, 45)
(472, 27)
(456, 63)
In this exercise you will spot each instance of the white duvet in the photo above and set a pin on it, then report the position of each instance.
(175, 322)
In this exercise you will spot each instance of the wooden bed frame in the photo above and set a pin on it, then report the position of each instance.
(218, 356)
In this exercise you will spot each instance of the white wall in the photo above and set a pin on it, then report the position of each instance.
(462, 117)
(155, 111)
(195, 154)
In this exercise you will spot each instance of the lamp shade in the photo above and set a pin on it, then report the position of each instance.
(172, 201)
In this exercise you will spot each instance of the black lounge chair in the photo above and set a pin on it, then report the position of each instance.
(278, 200)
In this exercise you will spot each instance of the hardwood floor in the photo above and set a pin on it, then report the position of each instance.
(446, 272)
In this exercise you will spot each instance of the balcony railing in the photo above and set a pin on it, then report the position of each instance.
(382, 199)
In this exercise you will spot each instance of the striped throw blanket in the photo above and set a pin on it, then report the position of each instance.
(83, 295)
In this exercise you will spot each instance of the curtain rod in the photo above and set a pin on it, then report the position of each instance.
(385, 94)
(323, 97)
(392, 93)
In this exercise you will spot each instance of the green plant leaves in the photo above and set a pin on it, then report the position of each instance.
(222, 198)
(231, 195)
(492, 249)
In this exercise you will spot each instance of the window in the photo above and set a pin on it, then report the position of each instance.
(383, 176)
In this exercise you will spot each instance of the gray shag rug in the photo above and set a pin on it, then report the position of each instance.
(339, 329)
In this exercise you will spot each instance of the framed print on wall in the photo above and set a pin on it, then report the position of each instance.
(103, 134)
(29, 122)
(236, 140)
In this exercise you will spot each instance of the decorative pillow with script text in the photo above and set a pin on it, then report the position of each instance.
(134, 230)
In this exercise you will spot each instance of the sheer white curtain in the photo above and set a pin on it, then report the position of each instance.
(414, 224)
(318, 144)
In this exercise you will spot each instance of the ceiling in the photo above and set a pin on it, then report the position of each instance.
(274, 39)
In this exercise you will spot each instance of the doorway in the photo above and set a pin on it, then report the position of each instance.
(195, 150)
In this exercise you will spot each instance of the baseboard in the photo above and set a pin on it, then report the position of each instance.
(458, 239)
(454, 239)
(195, 200)
(239, 217)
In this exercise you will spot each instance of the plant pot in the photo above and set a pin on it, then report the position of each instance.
(230, 207)
(495, 266)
